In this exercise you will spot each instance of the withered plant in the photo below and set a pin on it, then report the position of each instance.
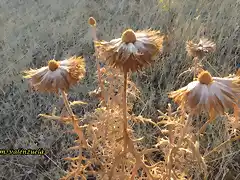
(198, 51)
(209, 94)
(130, 53)
(108, 146)
(57, 77)
(181, 148)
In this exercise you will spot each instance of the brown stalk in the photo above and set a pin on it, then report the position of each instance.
(129, 143)
(139, 162)
(76, 127)
(195, 59)
(94, 36)
(212, 116)
(170, 127)
(125, 133)
(184, 130)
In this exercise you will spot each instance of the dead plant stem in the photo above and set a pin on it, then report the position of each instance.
(195, 67)
(76, 127)
(94, 35)
(125, 133)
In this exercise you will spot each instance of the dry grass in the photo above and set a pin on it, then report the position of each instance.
(33, 32)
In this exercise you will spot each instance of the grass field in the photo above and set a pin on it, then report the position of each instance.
(35, 31)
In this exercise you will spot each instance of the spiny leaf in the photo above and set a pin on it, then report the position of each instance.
(77, 103)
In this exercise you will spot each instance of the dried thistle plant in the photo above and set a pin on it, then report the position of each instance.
(107, 146)
(198, 51)
(131, 52)
(180, 147)
(104, 134)
(92, 22)
(112, 94)
(58, 75)
(209, 94)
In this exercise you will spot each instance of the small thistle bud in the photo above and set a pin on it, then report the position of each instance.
(129, 36)
(92, 21)
(53, 65)
(205, 78)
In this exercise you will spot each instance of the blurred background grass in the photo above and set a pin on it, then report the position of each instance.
(34, 31)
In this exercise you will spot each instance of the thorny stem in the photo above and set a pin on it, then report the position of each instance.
(128, 142)
(170, 128)
(108, 100)
(195, 67)
(139, 162)
(67, 105)
(125, 134)
(94, 35)
(76, 127)
(212, 116)
(110, 92)
(236, 112)
(184, 130)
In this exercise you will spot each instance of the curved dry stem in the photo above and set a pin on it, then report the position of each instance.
(212, 116)
(77, 128)
(139, 162)
(94, 36)
(195, 66)
(184, 129)
(236, 112)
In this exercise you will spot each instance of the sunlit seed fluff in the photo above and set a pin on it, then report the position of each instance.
(132, 51)
(92, 21)
(205, 78)
(58, 75)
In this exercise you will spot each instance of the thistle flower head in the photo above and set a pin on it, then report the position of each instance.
(208, 93)
(201, 49)
(58, 75)
(131, 52)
